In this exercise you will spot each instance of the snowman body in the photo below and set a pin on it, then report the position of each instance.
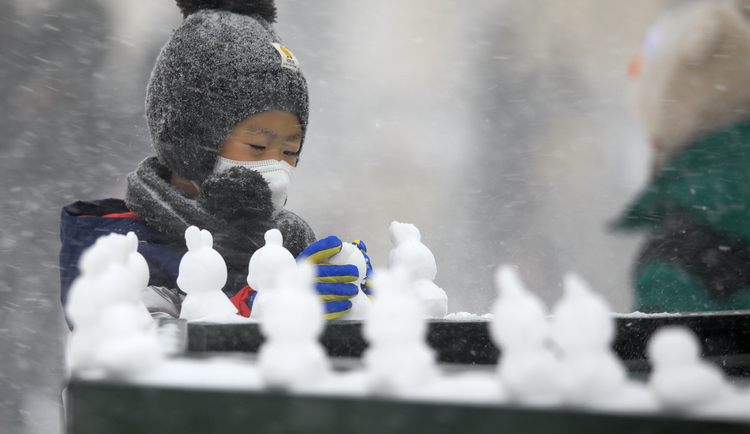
(409, 252)
(527, 369)
(202, 274)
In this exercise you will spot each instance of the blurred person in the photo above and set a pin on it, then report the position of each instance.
(691, 91)
(227, 108)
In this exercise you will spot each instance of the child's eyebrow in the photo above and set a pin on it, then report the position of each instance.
(270, 133)
(254, 130)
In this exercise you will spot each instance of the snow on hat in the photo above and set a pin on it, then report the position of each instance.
(223, 64)
(692, 74)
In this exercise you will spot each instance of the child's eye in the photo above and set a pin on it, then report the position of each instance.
(292, 154)
(257, 148)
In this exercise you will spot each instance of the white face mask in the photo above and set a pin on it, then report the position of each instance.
(278, 175)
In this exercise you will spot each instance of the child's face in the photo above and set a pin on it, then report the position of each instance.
(268, 135)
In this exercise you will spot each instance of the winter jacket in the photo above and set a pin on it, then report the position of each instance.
(83, 222)
(696, 212)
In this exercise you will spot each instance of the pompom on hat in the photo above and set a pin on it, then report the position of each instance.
(223, 64)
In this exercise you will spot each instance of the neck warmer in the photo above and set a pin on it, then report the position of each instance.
(235, 206)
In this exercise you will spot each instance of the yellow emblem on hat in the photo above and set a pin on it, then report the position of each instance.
(288, 60)
(288, 54)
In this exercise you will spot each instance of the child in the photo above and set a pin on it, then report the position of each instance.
(227, 109)
(692, 92)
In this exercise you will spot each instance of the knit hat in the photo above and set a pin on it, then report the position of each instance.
(223, 64)
(692, 74)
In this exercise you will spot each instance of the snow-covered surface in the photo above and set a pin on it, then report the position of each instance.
(243, 373)
(215, 373)
(637, 314)
(466, 316)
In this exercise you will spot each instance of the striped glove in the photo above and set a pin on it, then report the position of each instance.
(367, 284)
(334, 283)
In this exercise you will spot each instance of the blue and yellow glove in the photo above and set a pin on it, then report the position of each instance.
(367, 284)
(334, 283)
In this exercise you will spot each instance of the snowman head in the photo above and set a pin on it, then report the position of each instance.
(581, 319)
(107, 250)
(267, 263)
(520, 317)
(672, 347)
(409, 251)
(202, 268)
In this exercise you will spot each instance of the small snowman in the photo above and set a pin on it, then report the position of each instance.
(351, 255)
(528, 369)
(409, 252)
(266, 266)
(292, 356)
(680, 380)
(106, 274)
(398, 360)
(202, 274)
(106, 281)
(592, 375)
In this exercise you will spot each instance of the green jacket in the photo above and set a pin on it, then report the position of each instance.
(697, 215)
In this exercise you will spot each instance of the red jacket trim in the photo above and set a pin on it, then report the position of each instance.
(241, 301)
(128, 215)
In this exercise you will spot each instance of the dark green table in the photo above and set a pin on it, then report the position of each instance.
(120, 408)
(97, 407)
(725, 337)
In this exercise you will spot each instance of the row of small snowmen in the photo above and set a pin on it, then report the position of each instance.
(560, 360)
(113, 331)
(567, 358)
(203, 273)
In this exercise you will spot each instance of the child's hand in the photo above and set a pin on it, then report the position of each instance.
(367, 284)
(334, 283)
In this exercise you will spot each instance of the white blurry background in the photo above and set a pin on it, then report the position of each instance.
(499, 128)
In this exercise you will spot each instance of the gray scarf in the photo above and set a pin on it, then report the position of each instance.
(234, 205)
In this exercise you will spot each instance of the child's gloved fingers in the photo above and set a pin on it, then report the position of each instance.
(368, 292)
(336, 291)
(363, 248)
(335, 309)
(360, 245)
(336, 273)
(320, 250)
(367, 284)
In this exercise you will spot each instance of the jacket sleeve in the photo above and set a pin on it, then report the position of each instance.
(668, 287)
(296, 232)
